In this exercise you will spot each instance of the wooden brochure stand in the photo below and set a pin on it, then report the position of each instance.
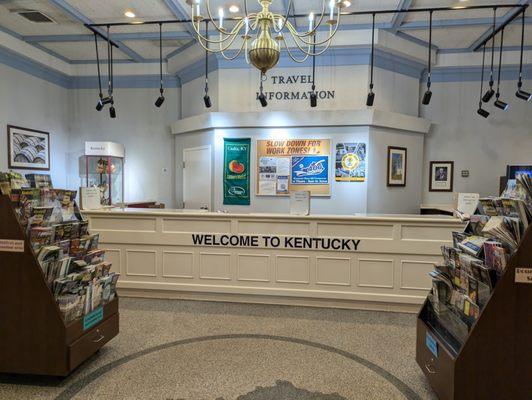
(495, 361)
(34, 339)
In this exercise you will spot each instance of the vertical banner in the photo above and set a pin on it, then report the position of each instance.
(236, 171)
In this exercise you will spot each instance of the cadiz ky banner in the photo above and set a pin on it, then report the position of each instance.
(236, 171)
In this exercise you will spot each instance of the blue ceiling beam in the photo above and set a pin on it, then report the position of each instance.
(179, 35)
(399, 18)
(416, 40)
(181, 13)
(74, 13)
(507, 16)
(454, 23)
(180, 49)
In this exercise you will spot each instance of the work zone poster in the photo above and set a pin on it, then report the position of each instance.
(293, 164)
(236, 171)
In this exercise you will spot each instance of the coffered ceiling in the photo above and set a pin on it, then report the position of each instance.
(67, 38)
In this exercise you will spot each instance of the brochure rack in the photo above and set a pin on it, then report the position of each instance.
(494, 360)
(34, 339)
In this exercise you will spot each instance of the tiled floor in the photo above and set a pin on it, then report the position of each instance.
(170, 349)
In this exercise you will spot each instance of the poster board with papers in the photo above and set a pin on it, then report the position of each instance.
(287, 165)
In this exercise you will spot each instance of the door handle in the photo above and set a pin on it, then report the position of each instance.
(100, 338)
(430, 368)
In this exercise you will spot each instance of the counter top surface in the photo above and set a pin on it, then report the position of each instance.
(182, 213)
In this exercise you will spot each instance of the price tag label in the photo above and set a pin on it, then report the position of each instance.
(523, 275)
(432, 344)
(12, 246)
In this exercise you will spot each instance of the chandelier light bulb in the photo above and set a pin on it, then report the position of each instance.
(221, 16)
(280, 24)
(246, 24)
(332, 4)
(310, 21)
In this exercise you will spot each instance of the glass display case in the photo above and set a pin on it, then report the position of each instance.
(103, 167)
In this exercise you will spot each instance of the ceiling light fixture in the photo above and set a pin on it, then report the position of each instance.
(313, 94)
(489, 94)
(160, 100)
(428, 94)
(270, 30)
(234, 9)
(207, 98)
(522, 94)
(130, 14)
(110, 77)
(499, 103)
(262, 97)
(371, 96)
(481, 111)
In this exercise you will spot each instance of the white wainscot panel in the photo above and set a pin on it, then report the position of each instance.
(215, 266)
(426, 233)
(274, 228)
(415, 275)
(193, 225)
(355, 230)
(141, 262)
(253, 267)
(292, 269)
(333, 271)
(123, 224)
(114, 256)
(178, 264)
(375, 273)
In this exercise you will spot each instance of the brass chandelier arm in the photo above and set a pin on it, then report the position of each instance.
(235, 56)
(297, 39)
(285, 19)
(316, 26)
(291, 55)
(308, 53)
(229, 35)
(205, 44)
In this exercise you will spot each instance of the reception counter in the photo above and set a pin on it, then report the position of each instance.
(356, 261)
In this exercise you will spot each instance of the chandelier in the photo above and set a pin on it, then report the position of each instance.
(269, 32)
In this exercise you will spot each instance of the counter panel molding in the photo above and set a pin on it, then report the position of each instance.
(384, 263)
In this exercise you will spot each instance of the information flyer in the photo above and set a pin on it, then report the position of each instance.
(293, 164)
(236, 171)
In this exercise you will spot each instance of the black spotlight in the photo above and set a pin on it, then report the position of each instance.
(524, 95)
(207, 101)
(263, 101)
(426, 97)
(489, 94)
(313, 99)
(112, 111)
(159, 102)
(428, 94)
(371, 95)
(482, 112)
(501, 104)
(99, 105)
(371, 99)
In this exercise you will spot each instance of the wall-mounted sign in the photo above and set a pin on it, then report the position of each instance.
(276, 242)
(236, 171)
(293, 164)
(350, 162)
(12, 246)
(284, 86)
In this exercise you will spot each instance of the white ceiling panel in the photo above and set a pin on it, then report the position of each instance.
(450, 37)
(150, 48)
(83, 50)
(63, 23)
(106, 10)
(461, 14)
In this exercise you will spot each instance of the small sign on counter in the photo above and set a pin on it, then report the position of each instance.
(523, 275)
(90, 198)
(12, 246)
(300, 202)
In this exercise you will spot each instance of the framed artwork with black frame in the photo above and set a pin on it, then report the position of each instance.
(396, 166)
(441, 176)
(28, 148)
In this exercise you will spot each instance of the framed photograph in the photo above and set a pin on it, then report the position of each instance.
(396, 166)
(28, 148)
(441, 176)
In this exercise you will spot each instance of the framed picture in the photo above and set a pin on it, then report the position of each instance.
(396, 166)
(441, 176)
(28, 148)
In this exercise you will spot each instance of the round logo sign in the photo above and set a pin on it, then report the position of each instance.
(350, 162)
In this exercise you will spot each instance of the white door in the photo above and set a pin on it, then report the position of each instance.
(197, 183)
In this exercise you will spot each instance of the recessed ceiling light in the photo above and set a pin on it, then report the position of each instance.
(129, 14)
(347, 3)
(234, 9)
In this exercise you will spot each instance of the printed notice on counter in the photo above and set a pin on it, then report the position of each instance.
(523, 275)
(300, 202)
(12, 246)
